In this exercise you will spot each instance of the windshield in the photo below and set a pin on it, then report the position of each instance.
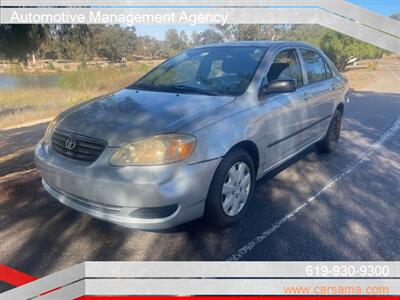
(211, 71)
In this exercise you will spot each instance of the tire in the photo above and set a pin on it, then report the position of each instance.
(328, 144)
(225, 208)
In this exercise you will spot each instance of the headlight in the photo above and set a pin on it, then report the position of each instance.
(157, 150)
(49, 131)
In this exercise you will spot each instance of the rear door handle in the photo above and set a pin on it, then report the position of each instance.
(305, 97)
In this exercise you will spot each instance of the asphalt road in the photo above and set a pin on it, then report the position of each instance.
(342, 206)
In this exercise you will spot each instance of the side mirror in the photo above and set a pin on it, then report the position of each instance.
(279, 86)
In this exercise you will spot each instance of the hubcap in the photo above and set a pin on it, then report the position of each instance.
(236, 188)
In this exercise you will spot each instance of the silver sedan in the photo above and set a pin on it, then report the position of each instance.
(191, 137)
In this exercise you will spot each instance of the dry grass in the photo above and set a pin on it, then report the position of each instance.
(363, 74)
(53, 66)
(24, 105)
(29, 104)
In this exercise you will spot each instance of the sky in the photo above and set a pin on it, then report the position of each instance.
(383, 7)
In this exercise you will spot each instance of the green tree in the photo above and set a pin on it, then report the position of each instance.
(311, 34)
(82, 36)
(208, 36)
(148, 46)
(341, 48)
(114, 43)
(73, 42)
(20, 41)
(184, 38)
(249, 32)
(174, 42)
(245, 32)
(49, 47)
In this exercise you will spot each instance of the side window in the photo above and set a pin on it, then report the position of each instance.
(314, 65)
(329, 73)
(286, 66)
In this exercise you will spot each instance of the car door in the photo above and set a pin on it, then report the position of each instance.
(320, 91)
(284, 116)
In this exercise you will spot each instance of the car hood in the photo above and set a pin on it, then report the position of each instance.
(133, 114)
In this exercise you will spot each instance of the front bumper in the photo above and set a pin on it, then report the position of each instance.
(173, 194)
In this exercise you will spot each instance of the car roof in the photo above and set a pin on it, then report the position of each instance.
(264, 44)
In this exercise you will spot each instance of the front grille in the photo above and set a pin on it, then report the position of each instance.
(85, 149)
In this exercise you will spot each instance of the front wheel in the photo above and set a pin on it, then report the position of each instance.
(231, 189)
(328, 144)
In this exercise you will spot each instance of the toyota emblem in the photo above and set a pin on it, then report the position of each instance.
(70, 143)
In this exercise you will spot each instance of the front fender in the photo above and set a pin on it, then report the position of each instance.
(216, 139)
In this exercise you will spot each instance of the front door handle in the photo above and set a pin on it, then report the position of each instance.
(333, 87)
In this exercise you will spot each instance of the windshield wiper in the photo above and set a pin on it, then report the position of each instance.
(143, 86)
(153, 88)
(185, 88)
(174, 88)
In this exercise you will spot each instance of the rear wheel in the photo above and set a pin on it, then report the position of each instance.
(231, 189)
(328, 144)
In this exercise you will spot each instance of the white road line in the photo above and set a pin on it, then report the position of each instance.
(364, 157)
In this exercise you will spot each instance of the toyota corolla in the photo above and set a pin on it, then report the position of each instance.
(192, 136)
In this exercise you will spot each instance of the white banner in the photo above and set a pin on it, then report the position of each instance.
(215, 278)
(338, 15)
